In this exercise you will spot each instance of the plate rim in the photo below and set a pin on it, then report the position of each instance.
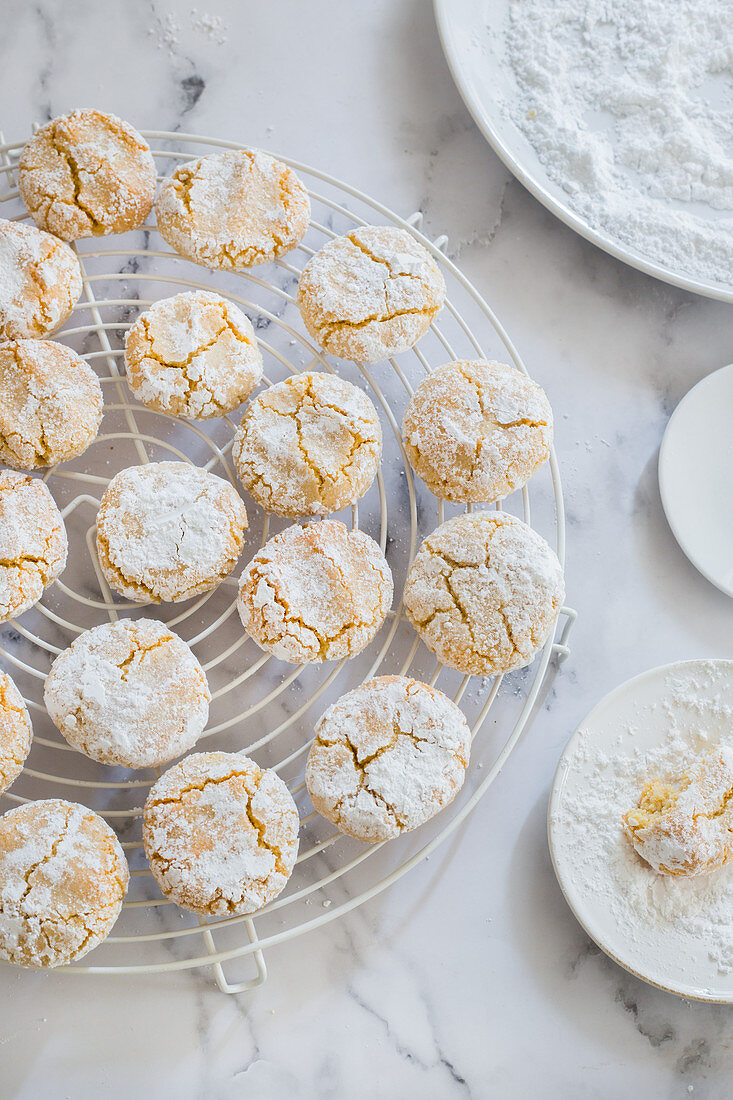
(444, 11)
(693, 993)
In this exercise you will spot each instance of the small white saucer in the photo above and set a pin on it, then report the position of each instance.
(631, 722)
(696, 477)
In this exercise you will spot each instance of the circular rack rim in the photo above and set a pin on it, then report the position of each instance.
(557, 643)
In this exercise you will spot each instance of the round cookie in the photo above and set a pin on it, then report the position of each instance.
(309, 445)
(33, 542)
(220, 834)
(87, 174)
(484, 592)
(234, 209)
(476, 431)
(315, 593)
(40, 281)
(371, 294)
(128, 693)
(192, 355)
(168, 531)
(50, 404)
(16, 732)
(387, 757)
(63, 877)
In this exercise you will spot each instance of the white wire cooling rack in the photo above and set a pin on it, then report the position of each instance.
(259, 705)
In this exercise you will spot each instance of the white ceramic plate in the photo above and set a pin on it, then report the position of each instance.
(696, 476)
(636, 718)
(476, 59)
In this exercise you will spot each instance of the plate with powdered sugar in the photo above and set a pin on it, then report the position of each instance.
(671, 927)
(616, 117)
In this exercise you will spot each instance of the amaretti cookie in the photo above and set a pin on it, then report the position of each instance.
(40, 281)
(220, 834)
(233, 209)
(371, 294)
(16, 732)
(387, 757)
(50, 404)
(476, 431)
(129, 693)
(168, 531)
(484, 592)
(33, 542)
(192, 355)
(309, 445)
(315, 593)
(63, 877)
(87, 174)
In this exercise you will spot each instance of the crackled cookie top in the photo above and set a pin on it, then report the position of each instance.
(386, 757)
(220, 834)
(684, 825)
(484, 592)
(370, 294)
(50, 404)
(63, 877)
(234, 209)
(315, 593)
(192, 355)
(129, 693)
(476, 431)
(309, 445)
(40, 281)
(16, 732)
(87, 174)
(33, 542)
(168, 531)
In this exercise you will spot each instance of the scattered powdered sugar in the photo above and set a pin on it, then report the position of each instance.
(628, 107)
(664, 920)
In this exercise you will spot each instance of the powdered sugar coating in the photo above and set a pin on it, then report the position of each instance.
(234, 209)
(128, 693)
(484, 592)
(50, 404)
(87, 174)
(16, 732)
(63, 877)
(387, 757)
(370, 294)
(40, 281)
(315, 593)
(476, 431)
(194, 355)
(168, 531)
(309, 445)
(33, 542)
(220, 834)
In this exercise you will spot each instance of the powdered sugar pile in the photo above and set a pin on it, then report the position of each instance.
(628, 106)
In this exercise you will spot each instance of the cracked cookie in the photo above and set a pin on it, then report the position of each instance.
(309, 445)
(371, 294)
(220, 834)
(232, 210)
(387, 757)
(168, 531)
(87, 174)
(50, 404)
(128, 693)
(16, 732)
(33, 542)
(684, 825)
(484, 592)
(476, 431)
(40, 281)
(315, 593)
(63, 877)
(192, 355)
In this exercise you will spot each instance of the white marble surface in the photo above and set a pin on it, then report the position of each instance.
(470, 977)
